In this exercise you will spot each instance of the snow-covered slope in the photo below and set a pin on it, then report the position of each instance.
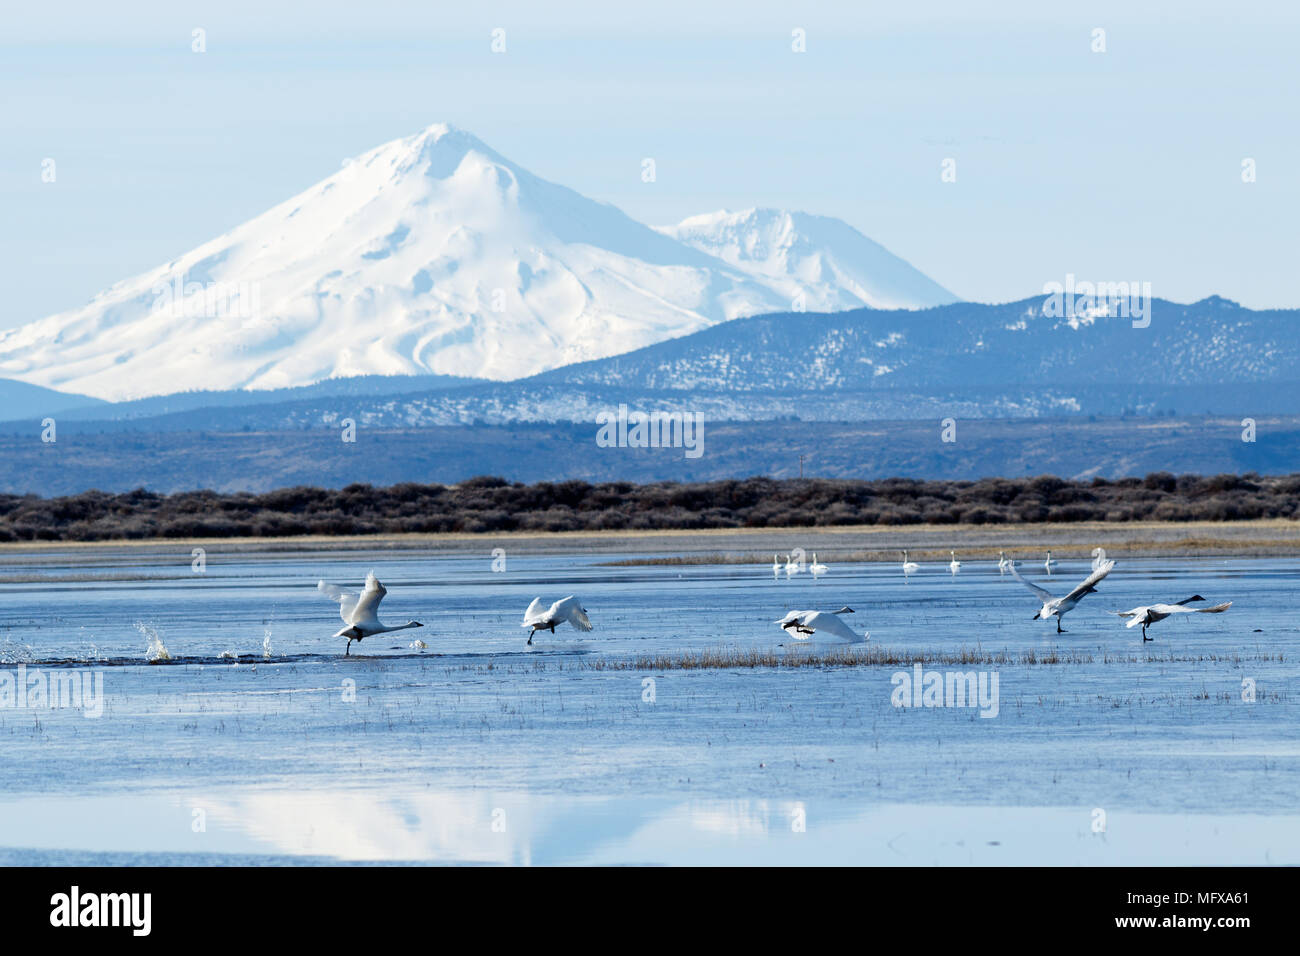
(428, 254)
(825, 261)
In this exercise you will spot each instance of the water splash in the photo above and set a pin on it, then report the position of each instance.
(15, 652)
(227, 655)
(157, 650)
(417, 645)
(266, 644)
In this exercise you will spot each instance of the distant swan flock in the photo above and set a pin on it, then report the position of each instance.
(360, 611)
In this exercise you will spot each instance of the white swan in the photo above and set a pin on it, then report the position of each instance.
(803, 624)
(1049, 564)
(954, 566)
(909, 567)
(817, 569)
(1098, 556)
(1054, 606)
(361, 612)
(792, 566)
(545, 619)
(1148, 615)
(1003, 563)
(776, 568)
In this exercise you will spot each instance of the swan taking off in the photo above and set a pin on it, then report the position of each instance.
(1146, 616)
(545, 618)
(1049, 564)
(1054, 606)
(909, 567)
(803, 624)
(817, 569)
(954, 566)
(361, 612)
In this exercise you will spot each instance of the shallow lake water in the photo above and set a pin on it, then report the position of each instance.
(478, 748)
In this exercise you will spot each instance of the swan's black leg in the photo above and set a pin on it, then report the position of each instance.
(349, 650)
(530, 636)
(1058, 625)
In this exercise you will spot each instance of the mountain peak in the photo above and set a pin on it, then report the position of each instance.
(795, 249)
(435, 254)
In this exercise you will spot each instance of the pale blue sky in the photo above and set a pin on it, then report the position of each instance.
(1122, 165)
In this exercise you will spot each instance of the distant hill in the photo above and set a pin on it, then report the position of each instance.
(24, 401)
(964, 345)
(264, 460)
(166, 405)
(963, 361)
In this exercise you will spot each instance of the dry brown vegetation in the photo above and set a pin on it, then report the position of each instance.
(492, 505)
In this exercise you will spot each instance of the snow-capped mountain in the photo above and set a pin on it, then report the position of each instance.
(435, 254)
(824, 264)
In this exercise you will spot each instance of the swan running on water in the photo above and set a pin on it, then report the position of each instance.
(361, 612)
(1056, 607)
(803, 624)
(545, 619)
(1146, 616)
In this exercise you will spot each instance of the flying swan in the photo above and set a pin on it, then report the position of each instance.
(803, 624)
(1146, 616)
(361, 613)
(545, 619)
(1056, 607)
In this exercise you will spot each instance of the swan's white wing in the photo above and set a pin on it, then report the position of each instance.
(1092, 579)
(1184, 609)
(1217, 609)
(367, 609)
(826, 623)
(347, 600)
(791, 618)
(535, 613)
(1136, 612)
(1045, 595)
(570, 609)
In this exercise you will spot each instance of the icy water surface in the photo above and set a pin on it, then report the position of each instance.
(257, 740)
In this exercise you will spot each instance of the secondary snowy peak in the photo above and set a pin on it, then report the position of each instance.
(825, 261)
(431, 253)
